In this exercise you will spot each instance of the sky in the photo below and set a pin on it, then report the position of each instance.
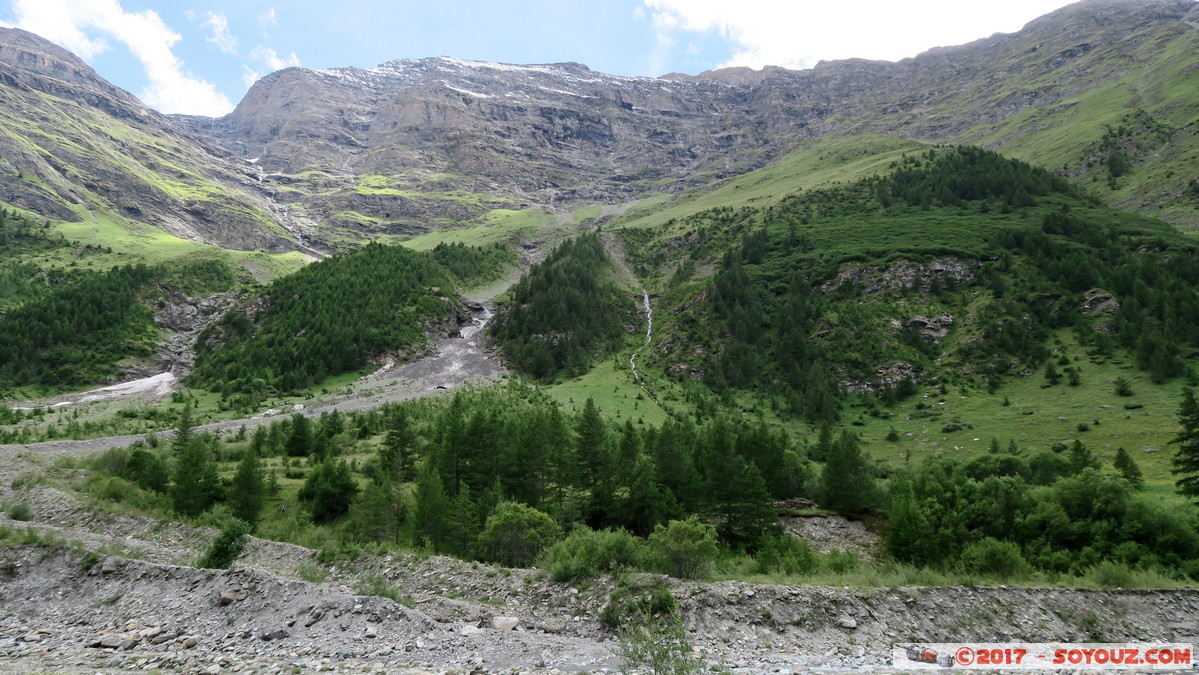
(200, 56)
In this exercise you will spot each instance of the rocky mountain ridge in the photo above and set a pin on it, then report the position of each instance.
(348, 154)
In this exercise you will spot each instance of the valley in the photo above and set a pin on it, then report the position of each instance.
(458, 366)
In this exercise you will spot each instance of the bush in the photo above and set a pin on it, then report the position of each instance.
(589, 553)
(994, 558)
(227, 546)
(329, 490)
(841, 561)
(684, 549)
(515, 534)
(1108, 574)
(786, 554)
(20, 511)
(660, 647)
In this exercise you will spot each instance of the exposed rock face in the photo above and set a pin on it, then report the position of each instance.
(74, 143)
(904, 275)
(545, 134)
(413, 145)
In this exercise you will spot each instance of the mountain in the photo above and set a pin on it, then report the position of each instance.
(417, 144)
(75, 148)
(344, 155)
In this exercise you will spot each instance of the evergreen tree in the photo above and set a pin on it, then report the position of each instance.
(396, 454)
(247, 495)
(377, 512)
(909, 537)
(195, 483)
(591, 448)
(431, 506)
(299, 442)
(1186, 461)
(846, 483)
(462, 524)
(1127, 466)
(183, 429)
(328, 490)
(1080, 458)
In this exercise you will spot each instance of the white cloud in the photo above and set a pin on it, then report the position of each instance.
(799, 33)
(268, 19)
(219, 35)
(269, 61)
(85, 26)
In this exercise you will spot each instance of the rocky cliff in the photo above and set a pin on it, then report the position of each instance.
(75, 147)
(347, 154)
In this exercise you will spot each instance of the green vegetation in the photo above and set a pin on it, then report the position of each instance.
(832, 286)
(331, 316)
(564, 313)
(76, 332)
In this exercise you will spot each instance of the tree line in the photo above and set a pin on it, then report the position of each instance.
(564, 313)
(332, 316)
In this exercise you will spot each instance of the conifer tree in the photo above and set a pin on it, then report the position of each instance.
(247, 495)
(846, 483)
(431, 506)
(909, 536)
(1186, 461)
(195, 484)
(1127, 466)
(1080, 458)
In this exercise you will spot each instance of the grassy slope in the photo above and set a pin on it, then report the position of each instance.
(1034, 419)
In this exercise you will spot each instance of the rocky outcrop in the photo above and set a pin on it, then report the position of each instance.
(74, 143)
(904, 275)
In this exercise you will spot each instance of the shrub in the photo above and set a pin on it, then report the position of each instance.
(684, 549)
(20, 511)
(515, 534)
(589, 553)
(227, 546)
(660, 647)
(786, 554)
(1109, 574)
(995, 558)
(841, 561)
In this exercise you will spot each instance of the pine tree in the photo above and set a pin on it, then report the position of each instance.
(1186, 461)
(377, 512)
(591, 449)
(846, 483)
(396, 454)
(329, 490)
(247, 495)
(1080, 458)
(1127, 466)
(431, 506)
(462, 524)
(299, 441)
(195, 484)
(183, 429)
(909, 536)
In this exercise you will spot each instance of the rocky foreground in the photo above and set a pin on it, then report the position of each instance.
(84, 588)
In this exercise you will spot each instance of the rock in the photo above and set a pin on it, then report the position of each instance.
(504, 622)
(212, 670)
(108, 567)
(371, 632)
(847, 622)
(469, 629)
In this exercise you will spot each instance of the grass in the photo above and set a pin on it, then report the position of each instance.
(1038, 416)
(615, 391)
(812, 165)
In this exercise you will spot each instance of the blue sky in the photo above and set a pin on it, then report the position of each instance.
(200, 56)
